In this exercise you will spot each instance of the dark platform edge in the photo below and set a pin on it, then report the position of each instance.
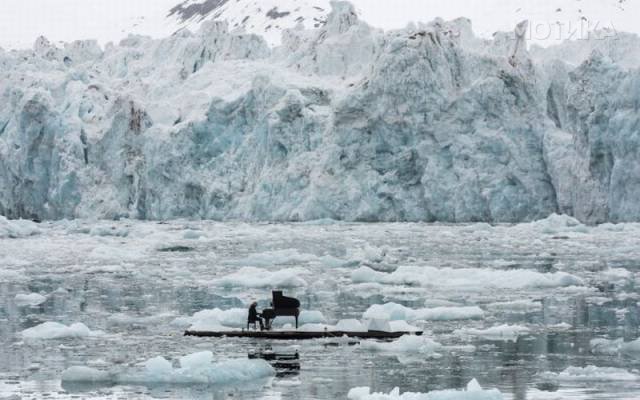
(297, 335)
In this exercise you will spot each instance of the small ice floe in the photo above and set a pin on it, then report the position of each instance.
(417, 345)
(109, 230)
(516, 306)
(205, 320)
(197, 368)
(250, 277)
(15, 229)
(617, 346)
(396, 312)
(554, 224)
(275, 257)
(29, 300)
(132, 320)
(562, 326)
(55, 330)
(350, 325)
(473, 392)
(592, 373)
(502, 332)
(466, 278)
(192, 234)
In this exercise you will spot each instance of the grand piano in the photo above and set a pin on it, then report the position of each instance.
(283, 306)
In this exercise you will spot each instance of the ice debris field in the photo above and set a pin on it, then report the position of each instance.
(543, 310)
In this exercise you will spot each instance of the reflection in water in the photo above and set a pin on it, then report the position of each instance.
(285, 364)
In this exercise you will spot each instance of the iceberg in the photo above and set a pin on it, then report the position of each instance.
(340, 122)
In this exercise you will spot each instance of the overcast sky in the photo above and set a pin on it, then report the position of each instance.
(22, 21)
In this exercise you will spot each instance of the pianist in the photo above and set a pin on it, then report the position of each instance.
(254, 316)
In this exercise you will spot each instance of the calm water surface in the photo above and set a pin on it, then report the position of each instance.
(128, 286)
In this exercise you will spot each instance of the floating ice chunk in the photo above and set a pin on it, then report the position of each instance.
(124, 319)
(316, 328)
(260, 278)
(473, 392)
(350, 325)
(592, 373)
(196, 360)
(563, 326)
(395, 312)
(554, 224)
(502, 332)
(31, 299)
(367, 253)
(612, 347)
(109, 230)
(311, 317)
(605, 346)
(516, 306)
(466, 278)
(403, 326)
(54, 330)
(85, 374)
(379, 325)
(631, 347)
(193, 234)
(276, 257)
(196, 368)
(422, 345)
(15, 229)
(205, 320)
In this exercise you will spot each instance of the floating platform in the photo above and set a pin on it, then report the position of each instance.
(300, 335)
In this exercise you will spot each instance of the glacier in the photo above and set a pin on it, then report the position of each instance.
(342, 122)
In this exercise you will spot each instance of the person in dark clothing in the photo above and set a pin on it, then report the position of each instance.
(254, 316)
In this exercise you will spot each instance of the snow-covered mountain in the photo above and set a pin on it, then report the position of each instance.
(342, 121)
(23, 21)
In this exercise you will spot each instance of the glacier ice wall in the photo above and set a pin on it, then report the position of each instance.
(345, 121)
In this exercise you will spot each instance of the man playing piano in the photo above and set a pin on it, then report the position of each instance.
(254, 316)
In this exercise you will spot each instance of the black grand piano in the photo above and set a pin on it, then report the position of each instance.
(283, 306)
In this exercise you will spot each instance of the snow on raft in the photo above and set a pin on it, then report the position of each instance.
(55, 330)
(473, 392)
(197, 368)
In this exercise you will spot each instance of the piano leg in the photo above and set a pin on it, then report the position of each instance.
(296, 322)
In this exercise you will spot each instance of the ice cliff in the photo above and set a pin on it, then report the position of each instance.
(345, 121)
